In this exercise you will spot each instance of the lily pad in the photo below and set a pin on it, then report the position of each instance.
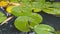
(37, 6)
(43, 29)
(54, 11)
(35, 19)
(47, 4)
(2, 17)
(56, 4)
(21, 10)
(23, 23)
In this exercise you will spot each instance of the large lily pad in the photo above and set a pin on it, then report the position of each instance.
(23, 23)
(20, 10)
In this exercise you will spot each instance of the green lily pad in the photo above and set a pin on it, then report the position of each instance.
(53, 11)
(2, 17)
(44, 32)
(35, 19)
(43, 29)
(21, 23)
(21, 10)
(47, 4)
(1, 14)
(52, 8)
(56, 4)
(37, 6)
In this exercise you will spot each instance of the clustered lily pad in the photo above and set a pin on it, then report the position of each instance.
(52, 8)
(28, 19)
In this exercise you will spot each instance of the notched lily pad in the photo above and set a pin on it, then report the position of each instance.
(23, 23)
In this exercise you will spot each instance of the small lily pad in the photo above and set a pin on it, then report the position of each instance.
(43, 29)
(54, 11)
(2, 17)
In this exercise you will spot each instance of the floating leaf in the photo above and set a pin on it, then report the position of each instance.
(47, 4)
(44, 32)
(21, 10)
(56, 4)
(43, 29)
(53, 11)
(2, 17)
(37, 6)
(1, 14)
(35, 19)
(21, 23)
